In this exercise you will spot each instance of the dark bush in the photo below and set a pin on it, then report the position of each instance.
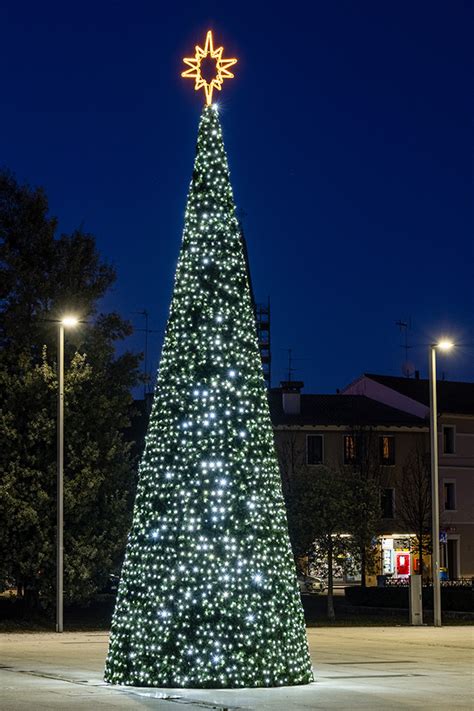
(456, 599)
(96, 614)
(377, 597)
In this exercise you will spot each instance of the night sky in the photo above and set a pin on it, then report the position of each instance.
(348, 129)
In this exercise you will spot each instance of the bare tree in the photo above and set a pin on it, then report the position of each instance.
(364, 472)
(414, 500)
(294, 471)
(291, 457)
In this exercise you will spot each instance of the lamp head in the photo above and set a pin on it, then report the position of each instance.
(69, 321)
(444, 345)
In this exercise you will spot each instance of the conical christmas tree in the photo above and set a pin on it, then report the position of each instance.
(208, 595)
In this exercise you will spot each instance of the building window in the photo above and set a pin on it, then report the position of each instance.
(350, 449)
(449, 495)
(314, 449)
(387, 502)
(449, 439)
(387, 450)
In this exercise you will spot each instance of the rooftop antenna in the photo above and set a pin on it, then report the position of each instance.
(291, 360)
(407, 367)
(291, 370)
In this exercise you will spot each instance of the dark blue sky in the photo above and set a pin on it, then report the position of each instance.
(349, 135)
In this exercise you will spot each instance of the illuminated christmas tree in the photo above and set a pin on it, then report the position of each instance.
(208, 595)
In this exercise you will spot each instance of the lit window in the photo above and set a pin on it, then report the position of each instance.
(387, 450)
(350, 449)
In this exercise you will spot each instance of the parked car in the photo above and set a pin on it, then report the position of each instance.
(111, 586)
(311, 584)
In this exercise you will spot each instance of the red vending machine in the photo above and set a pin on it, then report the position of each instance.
(402, 563)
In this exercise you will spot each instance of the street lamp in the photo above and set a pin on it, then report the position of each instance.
(444, 345)
(65, 322)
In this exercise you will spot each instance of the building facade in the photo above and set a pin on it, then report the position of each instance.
(311, 430)
(394, 412)
(456, 454)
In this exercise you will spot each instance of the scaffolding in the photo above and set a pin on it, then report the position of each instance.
(263, 319)
(262, 316)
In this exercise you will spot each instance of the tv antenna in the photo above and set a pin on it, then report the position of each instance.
(291, 360)
(404, 326)
(291, 370)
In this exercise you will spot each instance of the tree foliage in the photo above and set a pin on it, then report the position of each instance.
(43, 276)
(318, 507)
(208, 596)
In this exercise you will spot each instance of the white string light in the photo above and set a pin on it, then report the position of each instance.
(208, 594)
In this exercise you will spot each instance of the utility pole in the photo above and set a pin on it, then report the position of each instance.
(443, 345)
(67, 321)
(60, 484)
(435, 489)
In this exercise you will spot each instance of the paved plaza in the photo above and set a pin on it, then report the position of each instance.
(355, 668)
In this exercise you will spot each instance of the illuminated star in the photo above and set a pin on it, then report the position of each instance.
(222, 68)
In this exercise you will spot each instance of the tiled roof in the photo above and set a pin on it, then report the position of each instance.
(455, 397)
(349, 410)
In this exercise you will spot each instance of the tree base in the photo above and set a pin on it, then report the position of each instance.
(139, 683)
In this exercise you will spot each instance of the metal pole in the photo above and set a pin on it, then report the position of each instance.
(60, 484)
(435, 490)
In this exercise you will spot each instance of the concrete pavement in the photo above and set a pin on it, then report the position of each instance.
(355, 668)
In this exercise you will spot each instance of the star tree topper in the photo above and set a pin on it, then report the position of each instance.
(195, 72)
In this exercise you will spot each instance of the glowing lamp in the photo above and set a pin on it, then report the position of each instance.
(445, 345)
(69, 321)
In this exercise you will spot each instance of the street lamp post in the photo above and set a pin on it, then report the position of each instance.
(444, 346)
(67, 321)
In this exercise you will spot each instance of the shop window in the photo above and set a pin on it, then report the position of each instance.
(351, 447)
(452, 562)
(314, 449)
(387, 450)
(449, 495)
(387, 502)
(449, 439)
(388, 565)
